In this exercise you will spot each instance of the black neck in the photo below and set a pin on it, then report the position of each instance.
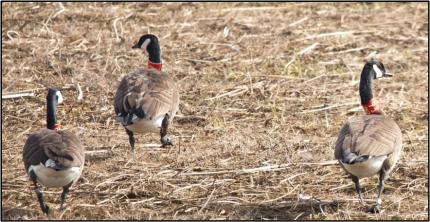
(366, 80)
(51, 118)
(154, 53)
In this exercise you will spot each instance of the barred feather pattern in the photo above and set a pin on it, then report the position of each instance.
(373, 135)
(146, 94)
(55, 145)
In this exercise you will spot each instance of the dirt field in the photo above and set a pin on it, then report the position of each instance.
(265, 89)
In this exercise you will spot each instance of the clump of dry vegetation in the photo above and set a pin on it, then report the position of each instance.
(265, 88)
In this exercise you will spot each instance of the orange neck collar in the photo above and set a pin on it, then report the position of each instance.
(56, 127)
(371, 108)
(156, 66)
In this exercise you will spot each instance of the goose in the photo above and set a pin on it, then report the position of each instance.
(369, 144)
(53, 157)
(147, 99)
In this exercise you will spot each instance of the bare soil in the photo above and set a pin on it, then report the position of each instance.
(265, 88)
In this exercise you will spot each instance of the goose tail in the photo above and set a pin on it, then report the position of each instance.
(351, 158)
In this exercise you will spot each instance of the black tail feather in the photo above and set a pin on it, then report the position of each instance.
(351, 158)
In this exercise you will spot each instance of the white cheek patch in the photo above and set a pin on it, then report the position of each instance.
(60, 97)
(377, 71)
(145, 44)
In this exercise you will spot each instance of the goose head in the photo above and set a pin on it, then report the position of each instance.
(150, 44)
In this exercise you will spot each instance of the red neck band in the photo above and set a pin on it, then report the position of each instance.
(371, 108)
(156, 66)
(56, 127)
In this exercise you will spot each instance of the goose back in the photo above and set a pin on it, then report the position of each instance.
(372, 135)
(57, 145)
(147, 94)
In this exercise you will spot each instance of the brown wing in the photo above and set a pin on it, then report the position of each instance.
(373, 135)
(147, 93)
(51, 144)
(344, 136)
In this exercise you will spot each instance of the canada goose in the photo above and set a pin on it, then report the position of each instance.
(53, 157)
(147, 100)
(369, 144)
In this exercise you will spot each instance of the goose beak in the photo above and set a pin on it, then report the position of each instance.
(135, 46)
(388, 74)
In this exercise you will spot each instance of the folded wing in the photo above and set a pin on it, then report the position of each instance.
(147, 94)
(372, 135)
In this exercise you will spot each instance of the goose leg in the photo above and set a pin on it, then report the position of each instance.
(358, 188)
(43, 205)
(377, 207)
(65, 192)
(132, 142)
(165, 140)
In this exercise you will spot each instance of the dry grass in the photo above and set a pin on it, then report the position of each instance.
(265, 89)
